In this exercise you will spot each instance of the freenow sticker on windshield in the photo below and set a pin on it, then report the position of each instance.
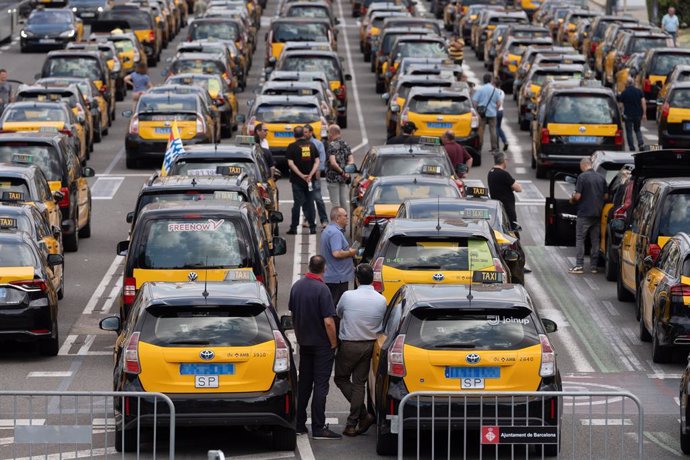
(210, 226)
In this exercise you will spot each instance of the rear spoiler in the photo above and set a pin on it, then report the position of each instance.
(105, 25)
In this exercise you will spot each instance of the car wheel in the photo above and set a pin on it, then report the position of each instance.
(386, 444)
(71, 242)
(85, 231)
(379, 86)
(645, 336)
(97, 132)
(524, 124)
(284, 438)
(131, 163)
(660, 353)
(51, 345)
(61, 291)
(610, 265)
(684, 441)
(129, 443)
(541, 171)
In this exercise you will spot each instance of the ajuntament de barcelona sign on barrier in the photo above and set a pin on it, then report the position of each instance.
(519, 435)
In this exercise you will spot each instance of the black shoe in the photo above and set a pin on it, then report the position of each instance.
(505, 147)
(350, 431)
(527, 270)
(292, 231)
(312, 231)
(326, 433)
(302, 430)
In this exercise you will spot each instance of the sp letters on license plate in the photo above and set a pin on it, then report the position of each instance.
(206, 381)
(472, 383)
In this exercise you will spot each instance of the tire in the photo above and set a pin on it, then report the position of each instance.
(684, 441)
(51, 345)
(386, 444)
(130, 441)
(541, 171)
(97, 133)
(533, 162)
(477, 160)
(638, 303)
(131, 163)
(367, 57)
(524, 124)
(61, 291)
(660, 354)
(372, 67)
(380, 86)
(71, 242)
(622, 294)
(610, 262)
(284, 438)
(85, 231)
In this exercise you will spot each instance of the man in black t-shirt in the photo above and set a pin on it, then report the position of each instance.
(634, 110)
(303, 161)
(502, 185)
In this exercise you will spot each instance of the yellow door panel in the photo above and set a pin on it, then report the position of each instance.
(277, 49)
(628, 248)
(604, 222)
(649, 284)
(386, 210)
(460, 124)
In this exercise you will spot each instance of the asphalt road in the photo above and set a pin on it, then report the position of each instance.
(597, 344)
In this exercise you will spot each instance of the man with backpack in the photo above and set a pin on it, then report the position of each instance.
(486, 99)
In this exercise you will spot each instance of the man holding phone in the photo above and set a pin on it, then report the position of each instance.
(339, 255)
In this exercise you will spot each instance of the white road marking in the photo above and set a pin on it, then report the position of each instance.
(86, 453)
(664, 376)
(87, 344)
(11, 423)
(105, 188)
(663, 440)
(103, 421)
(609, 308)
(114, 294)
(266, 456)
(304, 448)
(115, 161)
(67, 345)
(520, 170)
(606, 422)
(676, 399)
(95, 297)
(329, 421)
(49, 374)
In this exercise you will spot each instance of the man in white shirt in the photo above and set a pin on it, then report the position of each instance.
(361, 315)
(670, 23)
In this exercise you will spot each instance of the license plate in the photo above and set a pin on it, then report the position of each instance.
(435, 124)
(47, 40)
(162, 130)
(206, 381)
(207, 369)
(481, 372)
(283, 134)
(88, 15)
(686, 126)
(472, 384)
(583, 139)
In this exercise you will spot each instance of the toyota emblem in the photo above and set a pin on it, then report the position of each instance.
(439, 118)
(192, 276)
(582, 129)
(438, 277)
(208, 355)
(167, 124)
(288, 128)
(472, 358)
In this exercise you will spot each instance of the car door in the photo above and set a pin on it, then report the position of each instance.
(391, 321)
(629, 243)
(561, 215)
(655, 277)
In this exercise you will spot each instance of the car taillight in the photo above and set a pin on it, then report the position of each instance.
(363, 186)
(625, 57)
(66, 132)
(129, 290)
(281, 362)
(31, 285)
(64, 202)
(396, 358)
(665, 109)
(341, 92)
(548, 357)
(259, 278)
(200, 125)
(474, 121)
(378, 278)
(404, 116)
(134, 125)
(152, 36)
(653, 250)
(545, 139)
(647, 85)
(678, 291)
(618, 139)
(132, 365)
(250, 126)
(620, 213)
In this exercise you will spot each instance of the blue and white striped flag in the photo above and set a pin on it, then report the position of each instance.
(173, 150)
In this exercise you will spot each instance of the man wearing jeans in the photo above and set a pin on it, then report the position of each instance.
(303, 161)
(590, 195)
(485, 99)
(361, 314)
(634, 110)
(338, 254)
(318, 198)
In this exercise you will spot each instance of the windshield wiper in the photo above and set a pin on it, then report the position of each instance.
(189, 342)
(456, 345)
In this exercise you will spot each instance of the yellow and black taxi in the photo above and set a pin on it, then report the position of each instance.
(141, 22)
(582, 31)
(573, 120)
(284, 30)
(324, 61)
(187, 240)
(427, 45)
(235, 60)
(61, 168)
(606, 45)
(509, 56)
(151, 124)
(679, 74)
(82, 64)
(280, 115)
(657, 64)
(475, 206)
(397, 159)
(665, 295)
(534, 81)
(453, 338)
(70, 95)
(198, 91)
(598, 29)
(216, 349)
(468, 16)
(529, 55)
(383, 48)
(628, 43)
(304, 88)
(674, 117)
(483, 30)
(29, 299)
(112, 60)
(384, 196)
(50, 28)
(225, 29)
(371, 29)
(628, 70)
(95, 102)
(130, 51)
(568, 27)
(503, 32)
(310, 9)
(46, 116)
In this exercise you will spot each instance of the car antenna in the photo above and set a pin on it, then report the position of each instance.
(193, 182)
(438, 213)
(205, 293)
(469, 294)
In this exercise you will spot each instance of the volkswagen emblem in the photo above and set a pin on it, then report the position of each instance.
(438, 277)
(192, 276)
(472, 358)
(208, 355)
(582, 129)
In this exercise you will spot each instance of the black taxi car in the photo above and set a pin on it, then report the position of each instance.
(463, 338)
(216, 349)
(23, 183)
(180, 240)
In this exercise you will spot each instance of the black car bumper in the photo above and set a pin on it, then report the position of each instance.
(675, 331)
(674, 140)
(27, 320)
(44, 42)
(143, 148)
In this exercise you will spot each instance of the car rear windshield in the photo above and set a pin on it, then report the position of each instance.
(541, 77)
(286, 32)
(37, 113)
(307, 12)
(190, 195)
(42, 155)
(49, 17)
(207, 167)
(457, 328)
(453, 211)
(138, 20)
(16, 255)
(680, 98)
(422, 49)
(675, 213)
(664, 62)
(419, 253)
(326, 64)
(518, 48)
(582, 109)
(80, 67)
(397, 193)
(169, 104)
(197, 66)
(273, 113)
(124, 45)
(405, 88)
(194, 242)
(642, 44)
(441, 105)
(217, 30)
(210, 83)
(394, 165)
(220, 326)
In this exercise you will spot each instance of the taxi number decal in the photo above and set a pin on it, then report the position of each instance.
(211, 225)
(306, 152)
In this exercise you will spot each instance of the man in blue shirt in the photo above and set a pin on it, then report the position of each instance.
(338, 254)
(316, 194)
(670, 23)
(486, 99)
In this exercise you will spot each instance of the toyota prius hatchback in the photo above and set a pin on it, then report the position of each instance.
(216, 349)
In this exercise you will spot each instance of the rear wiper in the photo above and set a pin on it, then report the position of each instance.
(421, 267)
(456, 345)
(189, 342)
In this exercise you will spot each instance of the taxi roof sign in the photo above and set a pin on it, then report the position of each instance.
(486, 277)
(12, 196)
(477, 191)
(228, 170)
(475, 213)
(240, 275)
(431, 169)
(22, 158)
(8, 222)
(430, 140)
(48, 129)
(245, 140)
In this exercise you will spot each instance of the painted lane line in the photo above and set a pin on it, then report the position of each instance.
(520, 170)
(114, 294)
(606, 422)
(87, 453)
(329, 421)
(105, 188)
(67, 345)
(609, 308)
(39, 374)
(115, 161)
(11, 423)
(304, 448)
(663, 376)
(84, 350)
(105, 281)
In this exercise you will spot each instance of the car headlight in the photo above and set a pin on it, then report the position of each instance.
(68, 33)
(24, 34)
(74, 8)
(100, 9)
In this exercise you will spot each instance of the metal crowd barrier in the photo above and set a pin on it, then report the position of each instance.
(85, 424)
(594, 425)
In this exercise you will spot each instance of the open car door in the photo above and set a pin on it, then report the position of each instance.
(559, 226)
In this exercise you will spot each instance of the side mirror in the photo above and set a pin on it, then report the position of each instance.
(240, 119)
(122, 248)
(279, 246)
(55, 259)
(348, 77)
(56, 231)
(110, 323)
(58, 195)
(275, 217)
(395, 108)
(87, 172)
(461, 168)
(618, 225)
(285, 322)
(130, 217)
(510, 256)
(351, 169)
(385, 96)
(549, 325)
(648, 262)
(127, 113)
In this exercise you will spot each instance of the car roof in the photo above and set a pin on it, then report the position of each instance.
(411, 150)
(185, 207)
(286, 100)
(612, 156)
(303, 52)
(31, 136)
(438, 227)
(13, 237)
(220, 150)
(194, 182)
(460, 202)
(438, 91)
(445, 295)
(36, 104)
(219, 293)
(17, 170)
(72, 52)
